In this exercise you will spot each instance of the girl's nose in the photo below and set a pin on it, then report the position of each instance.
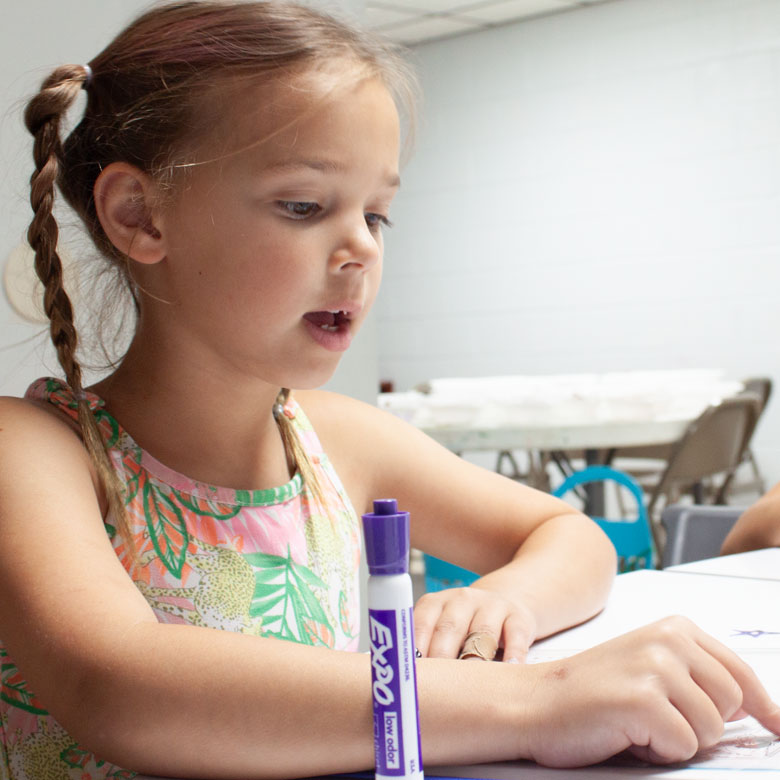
(359, 248)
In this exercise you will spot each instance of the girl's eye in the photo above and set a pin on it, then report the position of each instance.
(376, 221)
(299, 209)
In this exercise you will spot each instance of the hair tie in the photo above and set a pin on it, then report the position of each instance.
(87, 77)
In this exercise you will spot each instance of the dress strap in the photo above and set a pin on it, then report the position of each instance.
(56, 392)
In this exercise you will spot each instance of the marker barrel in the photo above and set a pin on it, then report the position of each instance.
(391, 634)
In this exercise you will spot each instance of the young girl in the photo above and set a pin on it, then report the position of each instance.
(179, 560)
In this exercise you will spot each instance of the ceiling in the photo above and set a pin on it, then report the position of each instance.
(415, 21)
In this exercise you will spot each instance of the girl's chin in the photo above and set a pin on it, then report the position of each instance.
(314, 376)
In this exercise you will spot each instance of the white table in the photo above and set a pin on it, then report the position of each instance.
(757, 564)
(592, 413)
(583, 435)
(561, 410)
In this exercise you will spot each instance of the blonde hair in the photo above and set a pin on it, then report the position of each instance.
(145, 91)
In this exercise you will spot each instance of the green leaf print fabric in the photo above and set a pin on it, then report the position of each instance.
(263, 562)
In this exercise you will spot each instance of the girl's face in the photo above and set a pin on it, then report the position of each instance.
(274, 253)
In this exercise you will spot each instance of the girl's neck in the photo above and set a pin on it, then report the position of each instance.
(212, 427)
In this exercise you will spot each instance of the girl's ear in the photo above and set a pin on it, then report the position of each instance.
(125, 199)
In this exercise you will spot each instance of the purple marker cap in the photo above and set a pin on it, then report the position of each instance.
(386, 532)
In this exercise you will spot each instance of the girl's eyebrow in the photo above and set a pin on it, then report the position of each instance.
(326, 166)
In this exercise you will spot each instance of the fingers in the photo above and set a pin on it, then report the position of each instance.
(738, 715)
(678, 716)
(755, 700)
(715, 681)
(705, 684)
(484, 630)
(444, 621)
(670, 739)
(707, 703)
(718, 686)
(519, 634)
(426, 617)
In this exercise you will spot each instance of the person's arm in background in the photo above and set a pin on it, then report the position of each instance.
(757, 527)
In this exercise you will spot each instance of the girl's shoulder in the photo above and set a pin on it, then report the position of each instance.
(51, 396)
(32, 415)
(368, 446)
(36, 440)
(339, 419)
(358, 428)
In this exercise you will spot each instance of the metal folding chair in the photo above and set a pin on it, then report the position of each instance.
(761, 386)
(703, 461)
(695, 532)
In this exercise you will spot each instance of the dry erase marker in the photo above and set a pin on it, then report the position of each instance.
(391, 633)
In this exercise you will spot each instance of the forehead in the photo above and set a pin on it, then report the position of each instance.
(278, 122)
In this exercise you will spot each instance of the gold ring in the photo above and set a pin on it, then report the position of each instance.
(479, 644)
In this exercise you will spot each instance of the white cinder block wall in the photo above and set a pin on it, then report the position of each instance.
(593, 191)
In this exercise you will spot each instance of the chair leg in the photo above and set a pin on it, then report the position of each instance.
(537, 470)
(657, 530)
(564, 465)
(758, 477)
(507, 456)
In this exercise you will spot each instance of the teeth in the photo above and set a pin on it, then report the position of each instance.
(330, 328)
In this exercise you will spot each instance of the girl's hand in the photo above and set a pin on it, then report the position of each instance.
(664, 692)
(444, 619)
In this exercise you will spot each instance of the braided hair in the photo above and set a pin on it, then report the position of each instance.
(42, 118)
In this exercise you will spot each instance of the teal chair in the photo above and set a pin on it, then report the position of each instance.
(440, 574)
(632, 538)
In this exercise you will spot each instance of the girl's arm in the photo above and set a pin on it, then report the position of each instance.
(757, 527)
(196, 702)
(550, 566)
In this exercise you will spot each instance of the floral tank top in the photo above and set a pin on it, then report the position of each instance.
(261, 562)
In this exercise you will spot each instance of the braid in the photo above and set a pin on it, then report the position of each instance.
(297, 453)
(42, 119)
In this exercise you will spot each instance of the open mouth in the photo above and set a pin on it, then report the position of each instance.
(330, 321)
